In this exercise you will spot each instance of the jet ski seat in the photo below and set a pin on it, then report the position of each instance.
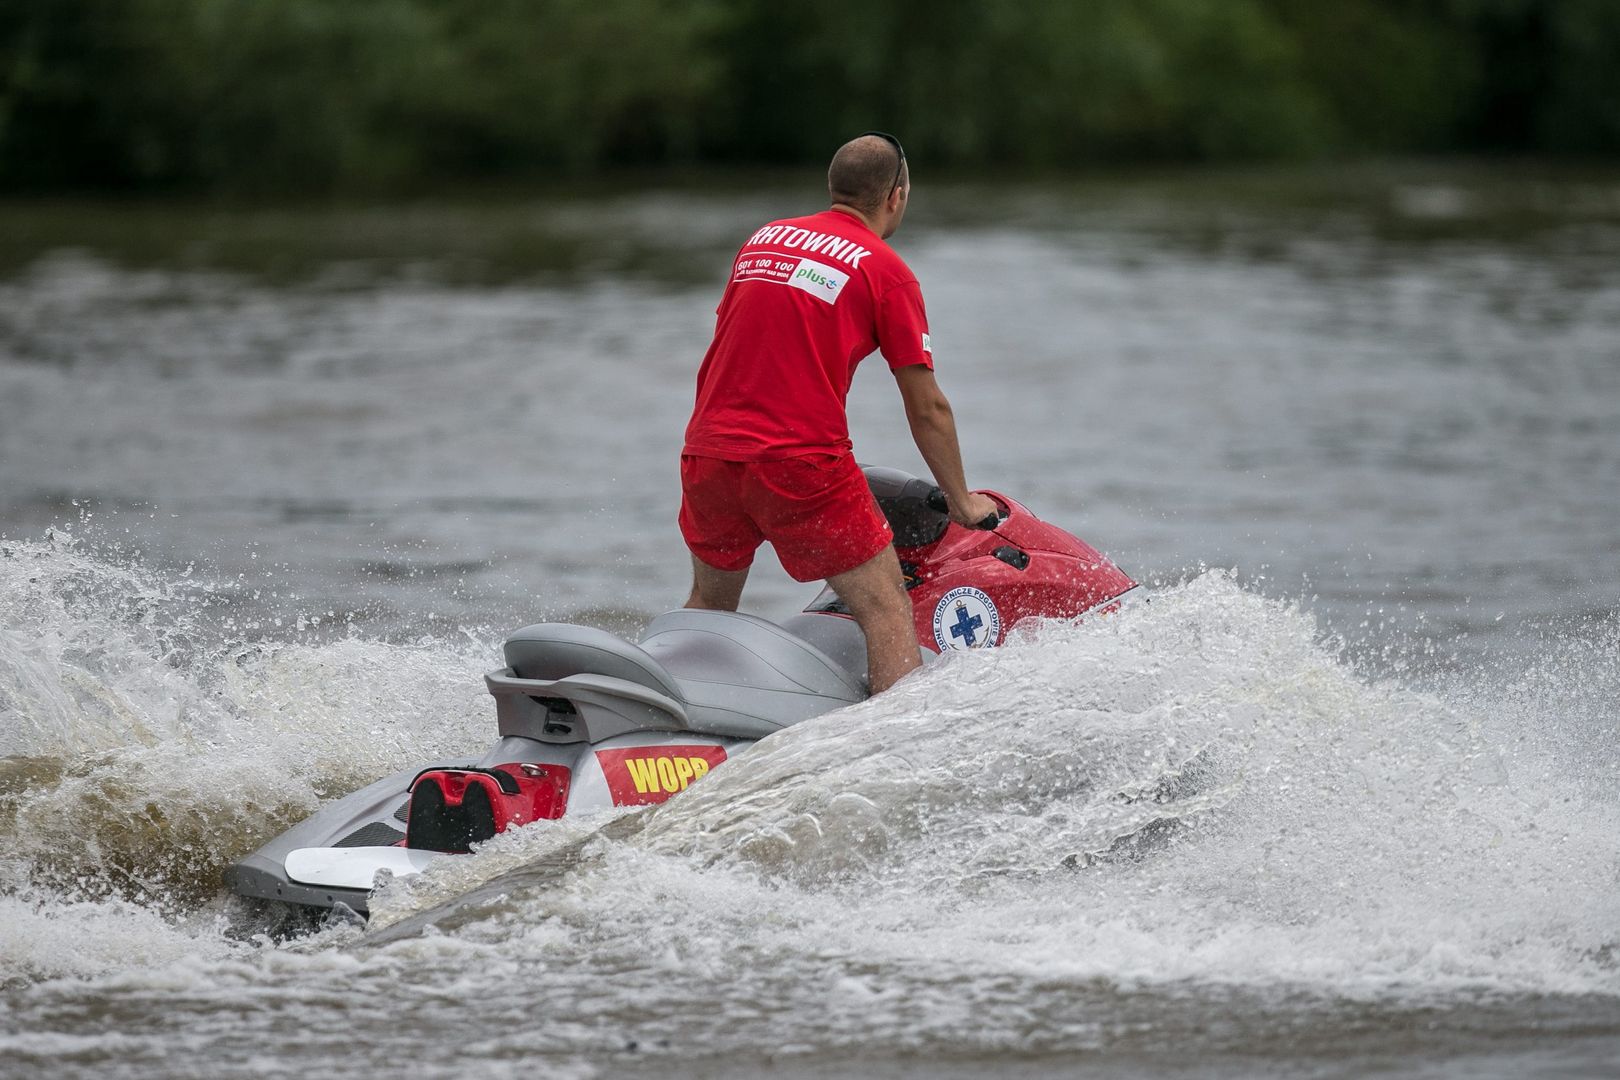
(734, 669)
(559, 650)
(716, 672)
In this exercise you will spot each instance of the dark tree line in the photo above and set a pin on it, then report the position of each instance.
(366, 95)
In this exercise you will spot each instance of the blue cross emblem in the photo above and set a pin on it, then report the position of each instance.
(965, 625)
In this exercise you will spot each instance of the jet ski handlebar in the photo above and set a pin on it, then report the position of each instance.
(917, 509)
(937, 501)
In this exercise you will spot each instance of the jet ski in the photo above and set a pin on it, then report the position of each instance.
(588, 721)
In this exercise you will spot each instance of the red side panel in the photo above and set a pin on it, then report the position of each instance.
(642, 775)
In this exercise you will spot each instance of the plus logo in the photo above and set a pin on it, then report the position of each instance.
(966, 618)
(965, 624)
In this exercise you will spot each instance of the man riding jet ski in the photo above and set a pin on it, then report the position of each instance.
(589, 721)
(767, 454)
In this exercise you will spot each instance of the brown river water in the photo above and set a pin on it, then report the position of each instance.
(274, 482)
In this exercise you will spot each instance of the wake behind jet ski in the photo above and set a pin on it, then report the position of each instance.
(589, 721)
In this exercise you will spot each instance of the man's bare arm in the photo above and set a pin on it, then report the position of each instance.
(933, 429)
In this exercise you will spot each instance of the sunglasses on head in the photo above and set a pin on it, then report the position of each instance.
(899, 150)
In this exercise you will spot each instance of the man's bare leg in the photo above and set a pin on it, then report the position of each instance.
(715, 590)
(875, 593)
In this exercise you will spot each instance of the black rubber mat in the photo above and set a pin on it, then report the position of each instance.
(376, 834)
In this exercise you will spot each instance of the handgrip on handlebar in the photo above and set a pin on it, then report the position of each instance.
(937, 501)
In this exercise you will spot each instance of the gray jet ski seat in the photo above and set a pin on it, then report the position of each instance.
(715, 672)
(568, 683)
(733, 668)
(559, 650)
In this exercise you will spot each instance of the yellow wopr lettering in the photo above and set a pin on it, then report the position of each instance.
(642, 774)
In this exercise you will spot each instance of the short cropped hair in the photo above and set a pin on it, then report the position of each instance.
(862, 173)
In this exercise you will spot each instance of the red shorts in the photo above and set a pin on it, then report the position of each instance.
(815, 509)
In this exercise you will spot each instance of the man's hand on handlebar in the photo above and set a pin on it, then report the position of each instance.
(976, 511)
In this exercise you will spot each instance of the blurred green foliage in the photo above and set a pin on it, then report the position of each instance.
(369, 95)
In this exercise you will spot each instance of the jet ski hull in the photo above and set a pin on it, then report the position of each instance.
(590, 722)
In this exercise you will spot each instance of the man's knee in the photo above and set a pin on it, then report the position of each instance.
(875, 593)
(875, 584)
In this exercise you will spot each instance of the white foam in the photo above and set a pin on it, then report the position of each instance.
(1359, 838)
(139, 761)
(1193, 793)
(60, 936)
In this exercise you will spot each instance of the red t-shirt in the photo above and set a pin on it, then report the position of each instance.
(809, 298)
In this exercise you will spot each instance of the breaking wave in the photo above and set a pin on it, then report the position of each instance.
(138, 759)
(1194, 792)
(1195, 789)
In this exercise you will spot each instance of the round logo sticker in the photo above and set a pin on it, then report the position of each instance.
(966, 618)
